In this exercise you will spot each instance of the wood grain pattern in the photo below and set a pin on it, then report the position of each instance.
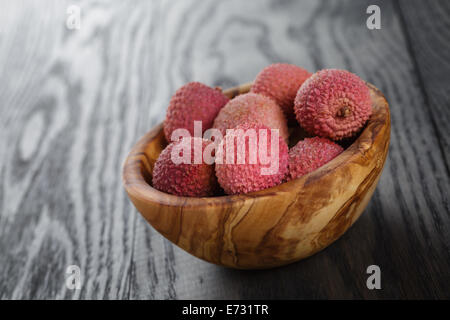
(429, 43)
(73, 102)
(271, 227)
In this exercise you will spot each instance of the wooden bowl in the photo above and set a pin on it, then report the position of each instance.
(271, 227)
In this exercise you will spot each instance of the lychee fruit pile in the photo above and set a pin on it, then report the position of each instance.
(311, 153)
(255, 108)
(247, 177)
(281, 81)
(330, 106)
(186, 178)
(193, 102)
(333, 104)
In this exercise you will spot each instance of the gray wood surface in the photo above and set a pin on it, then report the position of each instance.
(73, 102)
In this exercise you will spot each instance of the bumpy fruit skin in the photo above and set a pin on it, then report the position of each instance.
(191, 180)
(333, 104)
(193, 102)
(252, 108)
(237, 178)
(281, 81)
(309, 154)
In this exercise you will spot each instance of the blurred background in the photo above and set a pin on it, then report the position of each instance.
(81, 81)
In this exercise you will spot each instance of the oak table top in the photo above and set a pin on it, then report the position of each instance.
(74, 101)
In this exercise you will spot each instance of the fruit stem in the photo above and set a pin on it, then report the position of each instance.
(344, 112)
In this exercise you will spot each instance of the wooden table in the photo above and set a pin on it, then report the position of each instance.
(74, 101)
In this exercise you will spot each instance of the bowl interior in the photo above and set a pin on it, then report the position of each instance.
(139, 165)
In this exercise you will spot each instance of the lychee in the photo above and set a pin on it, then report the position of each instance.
(309, 154)
(252, 108)
(333, 104)
(247, 163)
(193, 102)
(281, 81)
(190, 175)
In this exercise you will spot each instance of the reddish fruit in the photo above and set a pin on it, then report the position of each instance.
(309, 154)
(252, 108)
(185, 179)
(333, 104)
(281, 81)
(246, 175)
(193, 102)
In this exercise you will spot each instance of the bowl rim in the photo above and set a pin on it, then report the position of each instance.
(136, 161)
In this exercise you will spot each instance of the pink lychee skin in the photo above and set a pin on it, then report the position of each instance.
(193, 102)
(191, 180)
(333, 104)
(309, 154)
(281, 81)
(255, 108)
(244, 178)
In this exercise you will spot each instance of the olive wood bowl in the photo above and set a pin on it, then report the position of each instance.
(271, 227)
